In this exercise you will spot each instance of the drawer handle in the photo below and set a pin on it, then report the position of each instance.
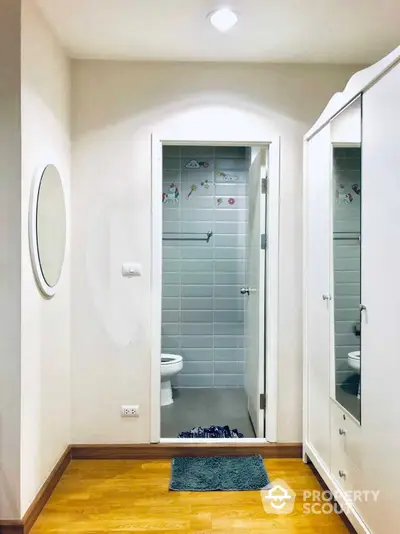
(342, 474)
(342, 431)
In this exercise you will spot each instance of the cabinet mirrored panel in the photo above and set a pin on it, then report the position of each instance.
(346, 257)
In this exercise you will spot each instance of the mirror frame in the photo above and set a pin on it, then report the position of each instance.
(45, 288)
(347, 135)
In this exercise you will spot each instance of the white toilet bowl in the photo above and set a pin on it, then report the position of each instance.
(171, 364)
(354, 361)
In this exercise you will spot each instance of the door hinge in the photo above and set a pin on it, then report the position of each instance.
(263, 241)
(264, 185)
(262, 401)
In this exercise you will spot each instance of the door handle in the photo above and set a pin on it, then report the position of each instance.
(326, 297)
(247, 290)
(363, 314)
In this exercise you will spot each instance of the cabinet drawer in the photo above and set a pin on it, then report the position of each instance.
(345, 435)
(345, 473)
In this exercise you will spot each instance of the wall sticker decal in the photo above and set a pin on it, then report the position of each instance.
(172, 195)
(192, 189)
(194, 164)
(343, 197)
(227, 177)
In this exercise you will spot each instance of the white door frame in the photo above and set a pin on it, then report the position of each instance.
(272, 297)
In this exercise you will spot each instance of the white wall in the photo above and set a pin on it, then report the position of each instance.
(115, 107)
(10, 258)
(45, 349)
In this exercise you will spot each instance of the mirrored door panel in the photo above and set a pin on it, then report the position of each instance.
(346, 258)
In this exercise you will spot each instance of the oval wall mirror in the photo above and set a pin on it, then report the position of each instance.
(47, 229)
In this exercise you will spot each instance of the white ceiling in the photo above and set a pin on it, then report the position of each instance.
(319, 31)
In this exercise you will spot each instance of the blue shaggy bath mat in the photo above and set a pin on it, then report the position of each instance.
(211, 432)
(218, 473)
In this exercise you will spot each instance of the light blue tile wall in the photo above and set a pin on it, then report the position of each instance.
(203, 310)
(346, 218)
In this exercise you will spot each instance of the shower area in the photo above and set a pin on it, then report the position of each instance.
(205, 243)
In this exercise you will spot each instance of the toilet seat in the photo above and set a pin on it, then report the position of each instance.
(170, 359)
(355, 355)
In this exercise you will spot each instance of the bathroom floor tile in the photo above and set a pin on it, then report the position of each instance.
(206, 407)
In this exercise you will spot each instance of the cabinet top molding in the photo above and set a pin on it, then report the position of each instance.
(359, 82)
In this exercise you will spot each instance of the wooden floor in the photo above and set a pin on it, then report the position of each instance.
(121, 496)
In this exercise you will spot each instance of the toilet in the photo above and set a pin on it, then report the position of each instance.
(171, 364)
(354, 361)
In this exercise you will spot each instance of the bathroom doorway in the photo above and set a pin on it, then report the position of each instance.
(214, 284)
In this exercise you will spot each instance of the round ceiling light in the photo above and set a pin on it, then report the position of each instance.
(223, 19)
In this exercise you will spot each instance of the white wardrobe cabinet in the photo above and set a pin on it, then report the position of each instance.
(317, 283)
(352, 297)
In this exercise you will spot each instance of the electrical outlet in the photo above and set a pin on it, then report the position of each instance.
(130, 410)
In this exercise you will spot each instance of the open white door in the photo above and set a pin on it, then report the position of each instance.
(254, 291)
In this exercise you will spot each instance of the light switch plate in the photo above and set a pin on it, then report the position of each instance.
(131, 269)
